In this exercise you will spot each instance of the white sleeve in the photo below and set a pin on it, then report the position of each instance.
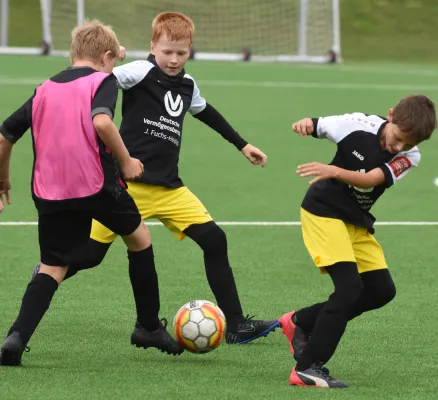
(337, 127)
(128, 75)
(198, 102)
(401, 165)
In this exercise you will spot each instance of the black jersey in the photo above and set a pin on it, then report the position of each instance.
(153, 109)
(357, 137)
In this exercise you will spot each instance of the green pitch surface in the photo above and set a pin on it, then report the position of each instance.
(81, 349)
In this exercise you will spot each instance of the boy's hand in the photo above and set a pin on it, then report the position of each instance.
(5, 187)
(254, 155)
(320, 171)
(122, 53)
(303, 127)
(132, 169)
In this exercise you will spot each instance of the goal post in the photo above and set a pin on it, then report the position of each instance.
(264, 30)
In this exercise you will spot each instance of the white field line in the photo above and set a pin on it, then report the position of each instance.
(376, 69)
(397, 70)
(4, 81)
(254, 223)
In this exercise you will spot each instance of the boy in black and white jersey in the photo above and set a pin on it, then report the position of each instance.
(372, 154)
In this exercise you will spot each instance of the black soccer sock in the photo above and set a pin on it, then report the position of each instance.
(213, 241)
(144, 281)
(306, 317)
(35, 303)
(332, 319)
(91, 256)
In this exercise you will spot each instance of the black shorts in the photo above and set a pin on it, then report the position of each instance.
(65, 232)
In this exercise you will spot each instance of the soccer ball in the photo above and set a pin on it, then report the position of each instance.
(199, 326)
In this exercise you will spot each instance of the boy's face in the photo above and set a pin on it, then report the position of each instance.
(393, 139)
(171, 56)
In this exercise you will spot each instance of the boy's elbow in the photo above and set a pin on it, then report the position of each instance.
(101, 122)
(369, 182)
(5, 142)
(367, 186)
(374, 178)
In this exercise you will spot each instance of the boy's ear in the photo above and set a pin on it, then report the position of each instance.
(152, 48)
(390, 113)
(107, 57)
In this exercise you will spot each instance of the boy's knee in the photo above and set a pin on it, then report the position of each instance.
(385, 294)
(91, 257)
(95, 258)
(209, 237)
(139, 240)
(379, 287)
(214, 241)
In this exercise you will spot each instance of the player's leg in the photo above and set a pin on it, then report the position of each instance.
(60, 236)
(88, 257)
(379, 288)
(94, 252)
(123, 218)
(329, 324)
(184, 214)
(329, 243)
(213, 241)
(101, 237)
(92, 255)
(332, 320)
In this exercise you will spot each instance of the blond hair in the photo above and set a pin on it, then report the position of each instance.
(175, 25)
(93, 39)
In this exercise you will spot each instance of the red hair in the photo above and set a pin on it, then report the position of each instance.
(176, 26)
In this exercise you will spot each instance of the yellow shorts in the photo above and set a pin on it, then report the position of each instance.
(176, 208)
(331, 240)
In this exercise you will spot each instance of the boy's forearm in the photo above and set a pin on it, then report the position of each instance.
(215, 120)
(360, 179)
(110, 136)
(5, 157)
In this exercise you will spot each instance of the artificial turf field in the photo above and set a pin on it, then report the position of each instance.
(81, 350)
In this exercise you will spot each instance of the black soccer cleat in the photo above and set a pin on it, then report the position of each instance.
(315, 376)
(12, 350)
(250, 329)
(159, 339)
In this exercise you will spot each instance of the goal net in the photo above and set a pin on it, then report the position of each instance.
(275, 30)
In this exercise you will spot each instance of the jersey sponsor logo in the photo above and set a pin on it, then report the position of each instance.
(173, 107)
(399, 165)
(359, 156)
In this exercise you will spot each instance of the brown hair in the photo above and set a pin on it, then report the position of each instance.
(416, 116)
(93, 39)
(175, 25)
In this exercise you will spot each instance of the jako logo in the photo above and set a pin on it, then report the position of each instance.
(174, 108)
(359, 156)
